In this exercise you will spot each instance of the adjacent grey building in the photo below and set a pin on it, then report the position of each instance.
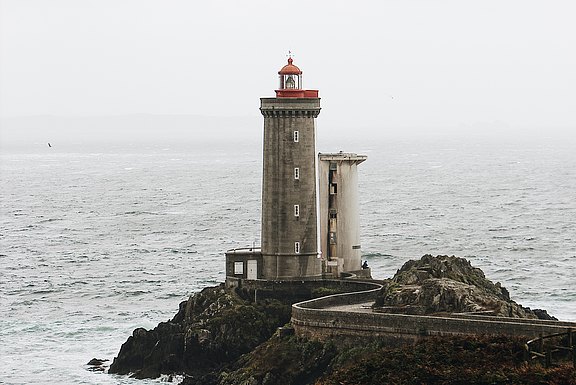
(339, 215)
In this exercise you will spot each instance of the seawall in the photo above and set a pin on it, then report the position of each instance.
(348, 317)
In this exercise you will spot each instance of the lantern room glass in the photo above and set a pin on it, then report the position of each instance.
(291, 81)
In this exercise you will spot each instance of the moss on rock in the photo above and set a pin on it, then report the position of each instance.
(445, 284)
(211, 329)
(444, 360)
(281, 361)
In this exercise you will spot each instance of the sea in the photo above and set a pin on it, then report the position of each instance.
(99, 239)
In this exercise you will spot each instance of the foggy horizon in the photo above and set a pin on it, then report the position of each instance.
(74, 133)
(443, 66)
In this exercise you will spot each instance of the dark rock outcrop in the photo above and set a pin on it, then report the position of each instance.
(446, 284)
(221, 337)
(97, 365)
(211, 329)
(96, 362)
(542, 314)
(281, 360)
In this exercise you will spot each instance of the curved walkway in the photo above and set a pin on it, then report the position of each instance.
(350, 315)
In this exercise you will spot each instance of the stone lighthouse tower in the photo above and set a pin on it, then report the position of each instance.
(296, 230)
(289, 214)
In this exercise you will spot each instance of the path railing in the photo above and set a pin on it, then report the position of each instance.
(544, 347)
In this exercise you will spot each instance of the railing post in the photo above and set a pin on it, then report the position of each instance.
(572, 347)
(527, 353)
(548, 358)
(540, 343)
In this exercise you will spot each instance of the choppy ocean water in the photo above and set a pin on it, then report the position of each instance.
(96, 241)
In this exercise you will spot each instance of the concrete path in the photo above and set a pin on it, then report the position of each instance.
(365, 307)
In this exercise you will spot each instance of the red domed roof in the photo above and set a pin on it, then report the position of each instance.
(290, 69)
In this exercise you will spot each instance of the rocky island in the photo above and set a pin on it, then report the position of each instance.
(229, 336)
(302, 309)
(444, 284)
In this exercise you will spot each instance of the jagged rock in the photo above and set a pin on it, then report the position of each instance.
(96, 365)
(542, 314)
(212, 328)
(218, 336)
(147, 354)
(446, 284)
(96, 362)
(457, 269)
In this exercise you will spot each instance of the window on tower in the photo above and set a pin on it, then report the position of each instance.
(297, 247)
(333, 189)
(296, 136)
(296, 210)
(296, 173)
(332, 238)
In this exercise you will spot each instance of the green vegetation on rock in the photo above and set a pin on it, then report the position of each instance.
(439, 360)
(281, 361)
(446, 360)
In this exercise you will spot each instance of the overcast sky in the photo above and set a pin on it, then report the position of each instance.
(377, 64)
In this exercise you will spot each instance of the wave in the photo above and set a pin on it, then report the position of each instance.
(50, 220)
(143, 249)
(181, 251)
(373, 255)
(170, 295)
(518, 248)
(137, 212)
(133, 293)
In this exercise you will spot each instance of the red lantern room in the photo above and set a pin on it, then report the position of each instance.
(290, 76)
(291, 83)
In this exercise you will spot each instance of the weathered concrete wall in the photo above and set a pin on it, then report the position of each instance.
(359, 292)
(339, 215)
(281, 190)
(315, 319)
(294, 290)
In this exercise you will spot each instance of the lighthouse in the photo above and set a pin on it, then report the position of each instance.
(289, 214)
(301, 239)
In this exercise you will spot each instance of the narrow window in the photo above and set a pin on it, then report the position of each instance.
(333, 189)
(297, 247)
(296, 136)
(296, 210)
(296, 173)
(332, 238)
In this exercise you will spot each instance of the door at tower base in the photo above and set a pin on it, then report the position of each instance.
(252, 272)
(338, 212)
